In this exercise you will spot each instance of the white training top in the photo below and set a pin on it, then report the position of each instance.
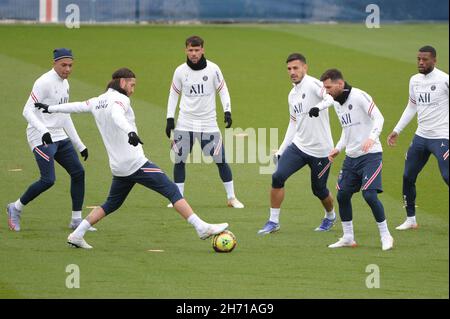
(115, 119)
(360, 119)
(198, 91)
(428, 97)
(312, 135)
(49, 89)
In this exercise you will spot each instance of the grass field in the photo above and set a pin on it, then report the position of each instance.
(294, 263)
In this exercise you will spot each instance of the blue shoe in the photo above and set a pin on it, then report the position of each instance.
(326, 224)
(269, 227)
(13, 217)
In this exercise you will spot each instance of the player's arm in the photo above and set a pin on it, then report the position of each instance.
(377, 121)
(37, 94)
(73, 107)
(338, 148)
(221, 88)
(75, 138)
(174, 94)
(326, 100)
(118, 110)
(408, 114)
(290, 133)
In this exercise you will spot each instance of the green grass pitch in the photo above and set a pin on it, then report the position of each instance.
(294, 263)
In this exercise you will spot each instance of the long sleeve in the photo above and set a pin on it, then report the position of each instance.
(341, 143)
(29, 111)
(378, 121)
(174, 94)
(118, 116)
(73, 135)
(288, 137)
(74, 107)
(222, 90)
(408, 114)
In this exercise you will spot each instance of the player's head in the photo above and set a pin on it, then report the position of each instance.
(426, 59)
(123, 81)
(63, 62)
(194, 48)
(296, 67)
(333, 81)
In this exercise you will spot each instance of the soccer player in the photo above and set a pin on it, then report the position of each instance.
(361, 122)
(428, 97)
(116, 122)
(197, 82)
(308, 141)
(52, 137)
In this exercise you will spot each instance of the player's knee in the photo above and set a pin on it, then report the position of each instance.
(408, 178)
(47, 182)
(278, 180)
(320, 192)
(78, 175)
(370, 196)
(343, 196)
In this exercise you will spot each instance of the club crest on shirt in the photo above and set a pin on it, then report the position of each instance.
(433, 87)
(205, 78)
(303, 96)
(350, 107)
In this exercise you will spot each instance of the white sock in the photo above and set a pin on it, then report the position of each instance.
(275, 215)
(410, 219)
(229, 188)
(383, 228)
(181, 188)
(330, 215)
(76, 214)
(18, 205)
(196, 221)
(82, 228)
(348, 230)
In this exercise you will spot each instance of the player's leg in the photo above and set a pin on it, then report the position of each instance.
(439, 148)
(416, 158)
(348, 183)
(371, 186)
(290, 162)
(182, 147)
(120, 188)
(44, 155)
(212, 145)
(320, 169)
(151, 176)
(67, 157)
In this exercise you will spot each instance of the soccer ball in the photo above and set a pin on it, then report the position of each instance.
(224, 242)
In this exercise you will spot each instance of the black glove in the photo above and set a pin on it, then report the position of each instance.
(42, 106)
(133, 139)
(47, 139)
(170, 126)
(228, 119)
(84, 154)
(314, 111)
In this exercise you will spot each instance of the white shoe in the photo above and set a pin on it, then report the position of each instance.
(169, 205)
(387, 242)
(233, 202)
(77, 242)
(343, 242)
(407, 225)
(212, 229)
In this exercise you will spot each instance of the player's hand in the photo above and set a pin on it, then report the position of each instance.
(314, 111)
(134, 139)
(392, 138)
(84, 154)
(227, 116)
(42, 106)
(333, 154)
(276, 158)
(367, 145)
(170, 126)
(47, 139)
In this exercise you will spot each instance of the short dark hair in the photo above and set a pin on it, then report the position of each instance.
(332, 74)
(194, 41)
(123, 73)
(428, 48)
(296, 56)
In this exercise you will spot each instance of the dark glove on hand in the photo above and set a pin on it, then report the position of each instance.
(170, 126)
(228, 119)
(133, 139)
(84, 154)
(47, 139)
(314, 111)
(42, 106)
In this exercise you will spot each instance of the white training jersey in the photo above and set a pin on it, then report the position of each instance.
(49, 89)
(198, 89)
(312, 134)
(428, 97)
(360, 120)
(115, 119)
